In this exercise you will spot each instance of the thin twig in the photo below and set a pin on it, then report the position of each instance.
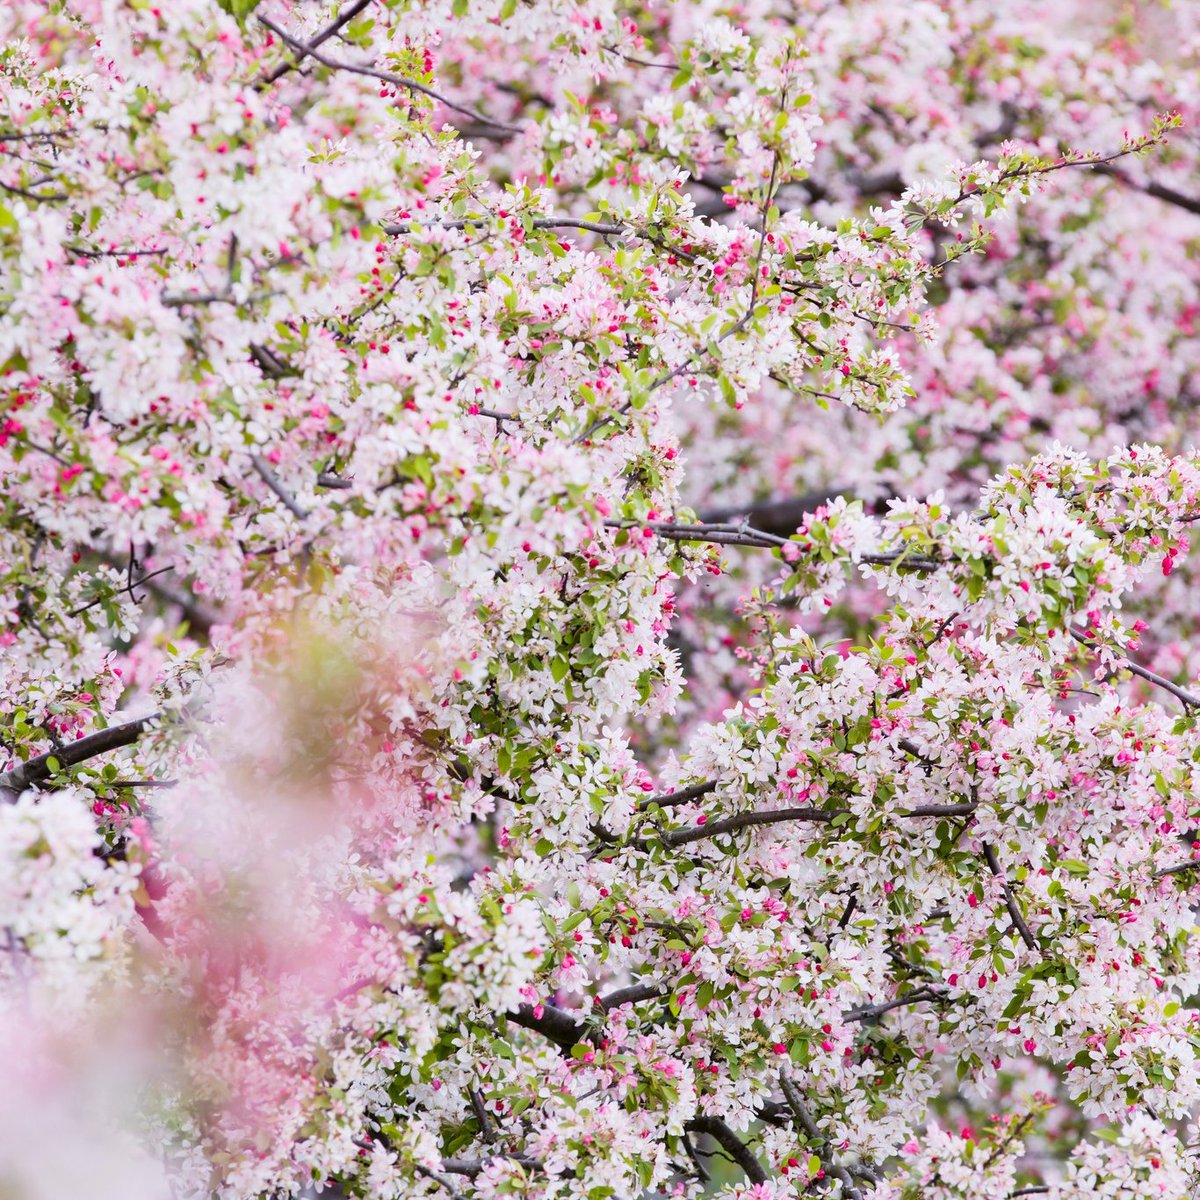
(343, 18)
(686, 366)
(272, 481)
(608, 228)
(437, 1177)
(1190, 699)
(78, 612)
(1014, 1131)
(401, 81)
(1014, 909)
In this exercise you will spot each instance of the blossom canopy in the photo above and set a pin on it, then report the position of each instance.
(595, 599)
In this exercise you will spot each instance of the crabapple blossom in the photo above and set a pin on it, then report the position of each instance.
(595, 599)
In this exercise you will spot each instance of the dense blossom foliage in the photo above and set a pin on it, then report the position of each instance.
(595, 600)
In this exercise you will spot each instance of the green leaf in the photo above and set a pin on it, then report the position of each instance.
(239, 9)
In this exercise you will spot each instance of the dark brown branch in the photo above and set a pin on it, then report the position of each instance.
(481, 1115)
(438, 1178)
(38, 770)
(720, 534)
(731, 1144)
(779, 816)
(400, 81)
(1014, 909)
(554, 1024)
(681, 837)
(1014, 1131)
(470, 1167)
(128, 588)
(269, 363)
(81, 252)
(609, 229)
(682, 796)
(499, 417)
(633, 994)
(782, 517)
(697, 1162)
(47, 197)
(867, 1011)
(940, 810)
(1176, 869)
(343, 19)
(181, 300)
(746, 535)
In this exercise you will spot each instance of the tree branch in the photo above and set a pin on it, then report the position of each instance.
(1189, 699)
(805, 1121)
(554, 1024)
(1010, 902)
(145, 579)
(630, 995)
(343, 19)
(782, 517)
(37, 770)
(682, 796)
(1176, 869)
(1160, 191)
(438, 1178)
(731, 1144)
(470, 1167)
(682, 837)
(867, 1011)
(400, 81)
(272, 481)
(609, 229)
(778, 816)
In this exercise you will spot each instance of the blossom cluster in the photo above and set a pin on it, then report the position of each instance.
(571, 625)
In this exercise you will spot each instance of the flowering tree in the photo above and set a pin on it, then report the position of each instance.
(595, 599)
